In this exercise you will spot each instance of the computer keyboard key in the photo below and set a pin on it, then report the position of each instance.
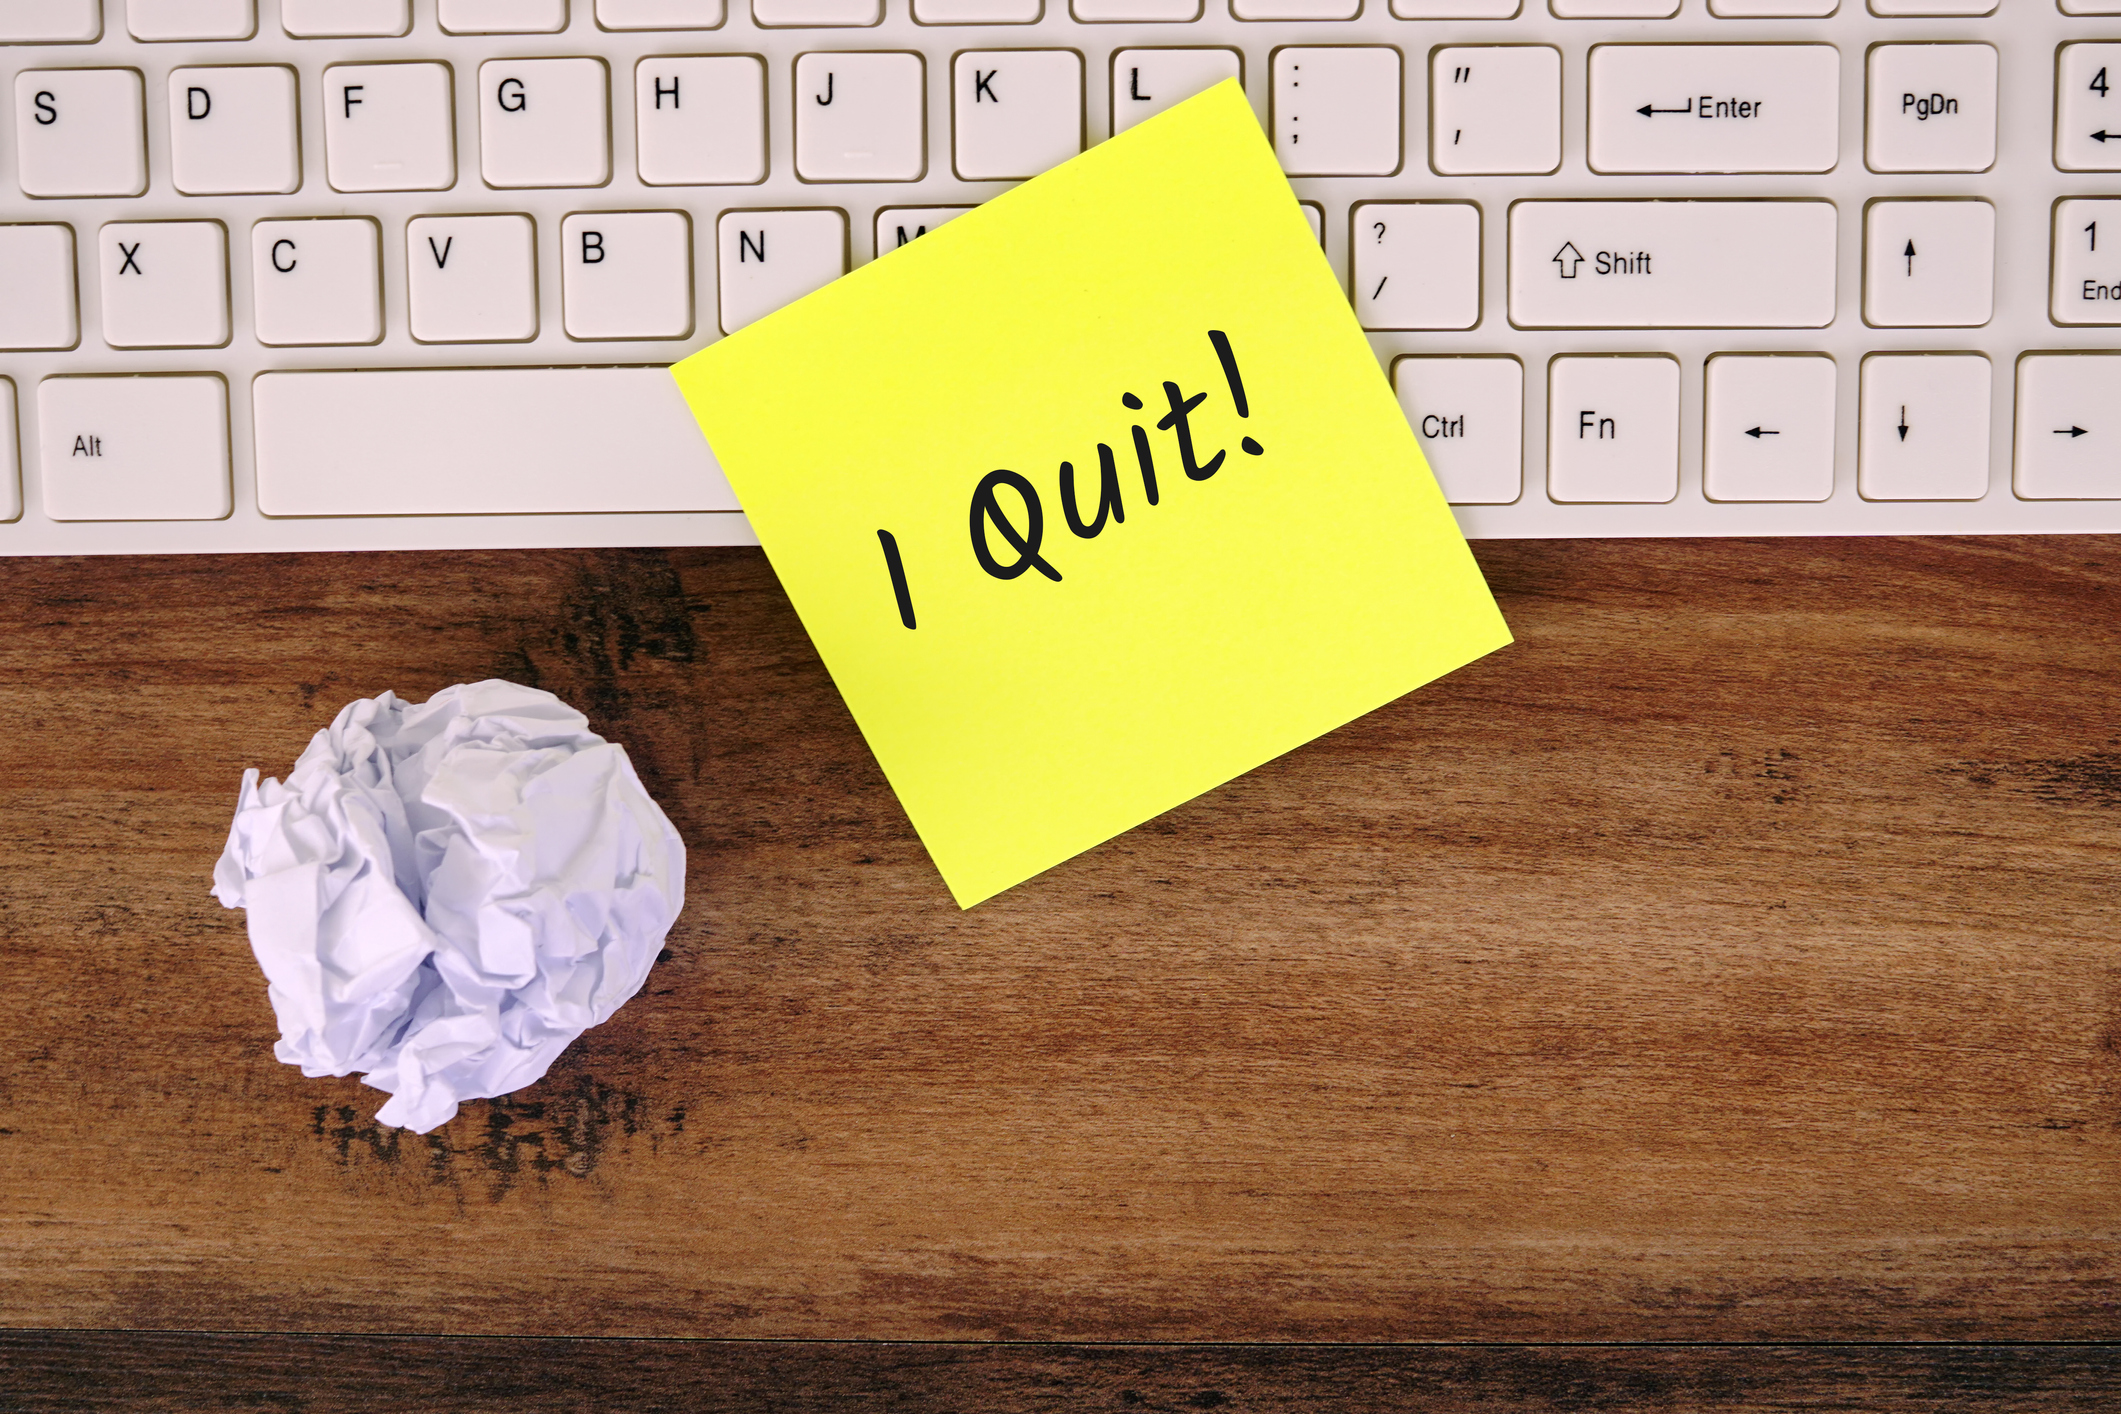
(2087, 114)
(902, 225)
(861, 117)
(1017, 111)
(1615, 9)
(626, 274)
(797, 14)
(10, 463)
(80, 132)
(234, 130)
(317, 281)
(472, 279)
(346, 19)
(157, 21)
(1417, 264)
(701, 121)
(1494, 109)
(150, 447)
(1929, 264)
(390, 127)
(1714, 108)
(2069, 426)
(165, 284)
(1468, 414)
(1923, 427)
(2087, 261)
(39, 304)
(1337, 110)
(1672, 264)
(1147, 81)
(660, 14)
(1916, 8)
(1931, 108)
(2091, 7)
(1768, 427)
(480, 441)
(766, 259)
(978, 12)
(544, 123)
(501, 16)
(50, 21)
(1134, 11)
(1458, 9)
(1613, 427)
(1773, 9)
(1296, 9)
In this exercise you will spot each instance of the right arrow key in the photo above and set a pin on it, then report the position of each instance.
(2066, 448)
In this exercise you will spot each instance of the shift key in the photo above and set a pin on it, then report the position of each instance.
(1741, 264)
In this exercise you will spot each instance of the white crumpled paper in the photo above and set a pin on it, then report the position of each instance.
(444, 896)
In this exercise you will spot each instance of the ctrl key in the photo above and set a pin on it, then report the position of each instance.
(138, 447)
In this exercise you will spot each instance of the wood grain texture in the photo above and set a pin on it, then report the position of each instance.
(113, 1372)
(1733, 958)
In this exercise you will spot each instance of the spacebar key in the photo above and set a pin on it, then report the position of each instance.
(480, 441)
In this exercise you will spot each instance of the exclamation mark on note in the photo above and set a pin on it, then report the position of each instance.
(899, 590)
(1236, 381)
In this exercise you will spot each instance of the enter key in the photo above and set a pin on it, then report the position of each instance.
(1714, 107)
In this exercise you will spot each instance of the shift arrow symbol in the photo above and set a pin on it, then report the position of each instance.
(2072, 432)
(1903, 422)
(1568, 258)
(1910, 254)
(1761, 432)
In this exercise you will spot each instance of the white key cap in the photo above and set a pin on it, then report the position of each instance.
(1897, 8)
(2091, 7)
(1672, 264)
(2068, 427)
(1613, 428)
(1134, 11)
(1714, 108)
(1616, 9)
(10, 466)
(1316, 216)
(50, 21)
(701, 120)
(1495, 108)
(165, 284)
(1932, 108)
(1147, 81)
(1295, 9)
(1922, 427)
(1468, 414)
(1417, 264)
(1768, 432)
(978, 12)
(769, 258)
(472, 279)
(134, 448)
(501, 16)
(350, 19)
(317, 281)
(389, 127)
(1773, 9)
(2087, 114)
(80, 132)
(1018, 111)
(818, 13)
(544, 123)
(626, 274)
(157, 20)
(660, 14)
(38, 308)
(2087, 270)
(1456, 9)
(481, 441)
(1929, 264)
(899, 225)
(861, 117)
(233, 130)
(1337, 111)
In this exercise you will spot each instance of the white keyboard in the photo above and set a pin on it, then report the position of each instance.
(382, 274)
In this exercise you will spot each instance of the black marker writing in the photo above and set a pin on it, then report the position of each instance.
(1181, 407)
(1141, 451)
(1236, 380)
(986, 510)
(1108, 502)
(899, 590)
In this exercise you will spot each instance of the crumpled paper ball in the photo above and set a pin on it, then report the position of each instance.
(445, 895)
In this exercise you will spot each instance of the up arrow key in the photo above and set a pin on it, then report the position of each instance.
(1568, 258)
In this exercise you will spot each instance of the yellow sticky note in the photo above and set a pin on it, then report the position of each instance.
(1095, 497)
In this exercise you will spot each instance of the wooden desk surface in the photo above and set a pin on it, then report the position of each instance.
(1733, 959)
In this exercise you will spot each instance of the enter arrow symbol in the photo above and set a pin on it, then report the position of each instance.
(2072, 432)
(2102, 135)
(1903, 422)
(1649, 110)
(1761, 432)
